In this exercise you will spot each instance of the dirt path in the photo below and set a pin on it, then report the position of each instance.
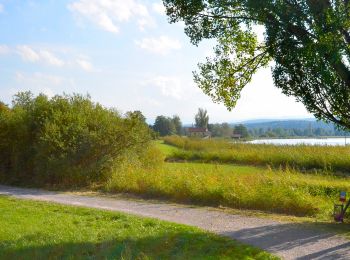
(290, 241)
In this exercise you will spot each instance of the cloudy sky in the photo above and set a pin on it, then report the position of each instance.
(123, 53)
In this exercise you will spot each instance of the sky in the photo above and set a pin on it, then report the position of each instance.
(125, 55)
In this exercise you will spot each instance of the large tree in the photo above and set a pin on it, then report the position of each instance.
(202, 118)
(177, 124)
(241, 130)
(307, 42)
(164, 126)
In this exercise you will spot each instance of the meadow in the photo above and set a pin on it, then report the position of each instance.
(240, 187)
(70, 142)
(281, 190)
(300, 157)
(39, 230)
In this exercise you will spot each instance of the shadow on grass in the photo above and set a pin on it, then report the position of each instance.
(315, 240)
(312, 240)
(178, 245)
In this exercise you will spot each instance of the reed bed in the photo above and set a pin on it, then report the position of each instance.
(301, 157)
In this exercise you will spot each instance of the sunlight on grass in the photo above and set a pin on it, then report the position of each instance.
(241, 187)
(167, 150)
(302, 157)
(38, 230)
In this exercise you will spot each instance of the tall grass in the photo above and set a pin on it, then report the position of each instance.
(302, 157)
(241, 187)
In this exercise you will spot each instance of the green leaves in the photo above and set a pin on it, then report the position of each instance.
(237, 57)
(308, 40)
(67, 140)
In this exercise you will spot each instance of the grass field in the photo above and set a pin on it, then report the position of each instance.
(301, 157)
(38, 230)
(167, 150)
(241, 187)
(283, 191)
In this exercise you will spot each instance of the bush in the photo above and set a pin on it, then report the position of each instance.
(66, 140)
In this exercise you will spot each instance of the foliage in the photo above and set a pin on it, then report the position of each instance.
(164, 126)
(307, 40)
(137, 115)
(177, 124)
(220, 130)
(241, 130)
(291, 128)
(202, 118)
(66, 140)
(38, 230)
(302, 157)
(168, 126)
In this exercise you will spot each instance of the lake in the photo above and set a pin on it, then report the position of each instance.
(308, 141)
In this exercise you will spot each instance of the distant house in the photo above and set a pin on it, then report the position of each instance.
(198, 132)
(236, 136)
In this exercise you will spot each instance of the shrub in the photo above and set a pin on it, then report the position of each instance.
(66, 140)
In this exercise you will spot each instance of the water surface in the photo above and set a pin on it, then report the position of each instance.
(308, 141)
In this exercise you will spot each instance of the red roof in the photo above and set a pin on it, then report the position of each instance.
(197, 130)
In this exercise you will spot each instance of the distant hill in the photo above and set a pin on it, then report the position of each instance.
(290, 124)
(295, 127)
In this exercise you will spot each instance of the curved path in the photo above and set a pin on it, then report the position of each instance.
(287, 240)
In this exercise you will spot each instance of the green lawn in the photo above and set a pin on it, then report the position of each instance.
(167, 150)
(39, 230)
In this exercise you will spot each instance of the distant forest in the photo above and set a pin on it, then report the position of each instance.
(291, 128)
(164, 126)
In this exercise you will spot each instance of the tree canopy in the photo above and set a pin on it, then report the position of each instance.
(202, 118)
(241, 130)
(306, 41)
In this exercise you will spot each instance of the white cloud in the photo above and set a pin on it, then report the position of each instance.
(44, 56)
(50, 58)
(85, 64)
(161, 45)
(29, 54)
(158, 8)
(169, 86)
(4, 49)
(109, 14)
(1, 8)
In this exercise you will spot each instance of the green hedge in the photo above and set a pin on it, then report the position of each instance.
(65, 140)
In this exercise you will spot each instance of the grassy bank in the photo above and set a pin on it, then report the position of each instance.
(301, 157)
(241, 187)
(37, 230)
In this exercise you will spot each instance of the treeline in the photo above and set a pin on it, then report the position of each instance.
(68, 140)
(166, 126)
(295, 132)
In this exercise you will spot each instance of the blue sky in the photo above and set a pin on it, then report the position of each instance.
(123, 53)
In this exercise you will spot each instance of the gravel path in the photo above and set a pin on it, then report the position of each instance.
(287, 240)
